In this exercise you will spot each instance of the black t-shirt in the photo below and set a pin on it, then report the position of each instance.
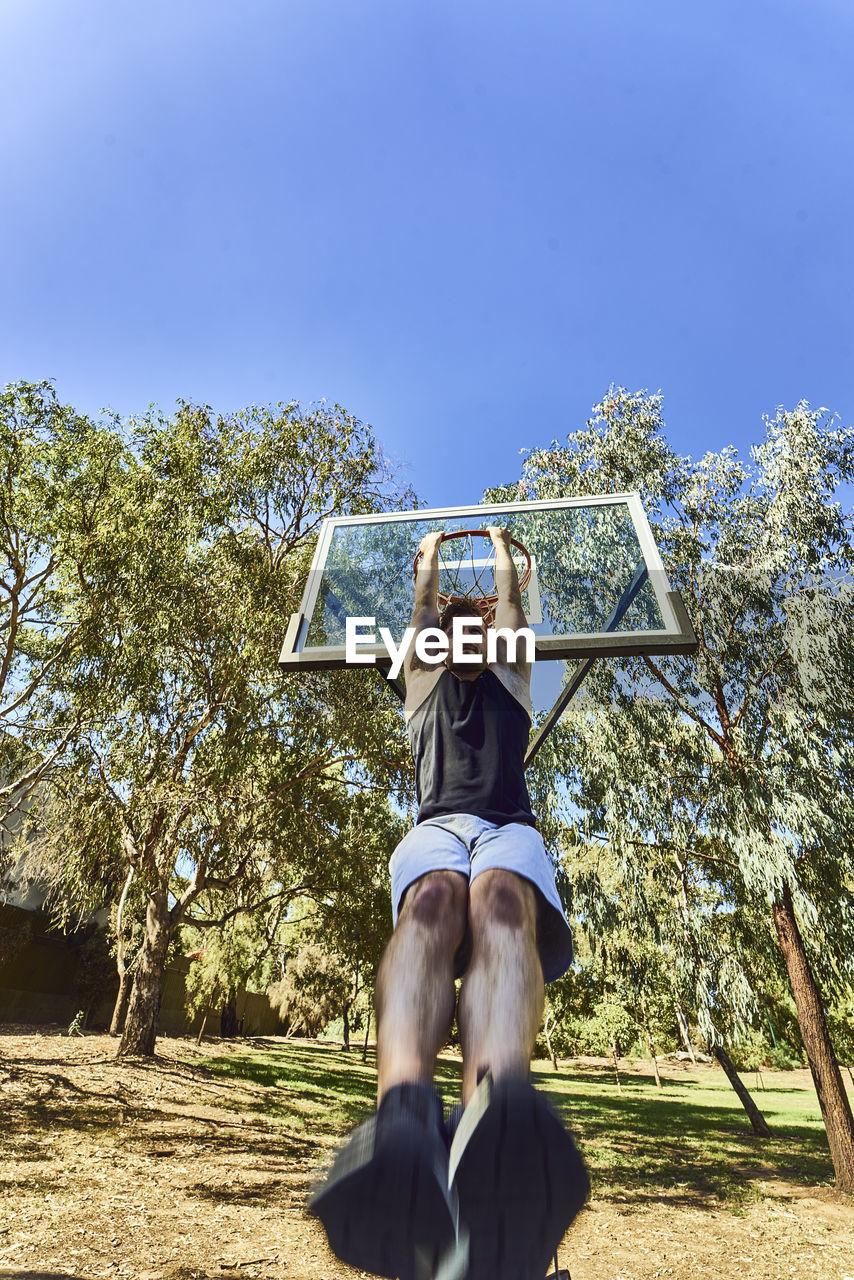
(468, 741)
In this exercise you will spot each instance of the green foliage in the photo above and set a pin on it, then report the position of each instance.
(312, 991)
(55, 466)
(225, 960)
(608, 1024)
(780, 1059)
(713, 781)
(625, 981)
(840, 1017)
(194, 762)
(345, 912)
(353, 918)
(752, 1051)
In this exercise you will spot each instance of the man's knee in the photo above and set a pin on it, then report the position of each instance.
(503, 898)
(438, 901)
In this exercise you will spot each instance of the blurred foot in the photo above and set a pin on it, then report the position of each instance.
(385, 1205)
(519, 1181)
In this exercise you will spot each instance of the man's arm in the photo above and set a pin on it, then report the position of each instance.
(515, 676)
(419, 676)
(508, 611)
(425, 612)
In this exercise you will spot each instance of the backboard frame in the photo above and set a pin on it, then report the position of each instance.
(677, 637)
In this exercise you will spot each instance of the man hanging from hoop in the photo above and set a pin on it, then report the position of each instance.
(473, 894)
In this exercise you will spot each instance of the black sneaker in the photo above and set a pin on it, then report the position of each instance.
(385, 1205)
(519, 1180)
(452, 1122)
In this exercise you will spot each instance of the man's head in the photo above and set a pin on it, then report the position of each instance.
(468, 610)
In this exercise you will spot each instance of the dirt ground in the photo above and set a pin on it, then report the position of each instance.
(161, 1171)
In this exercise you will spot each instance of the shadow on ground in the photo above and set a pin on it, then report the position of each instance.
(38, 1275)
(284, 1104)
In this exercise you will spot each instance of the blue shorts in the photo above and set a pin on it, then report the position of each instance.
(461, 842)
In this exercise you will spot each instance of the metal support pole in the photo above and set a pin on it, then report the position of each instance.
(572, 685)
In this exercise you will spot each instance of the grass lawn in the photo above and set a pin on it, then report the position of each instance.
(691, 1138)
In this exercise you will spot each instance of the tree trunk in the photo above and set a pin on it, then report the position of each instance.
(228, 1025)
(755, 1116)
(827, 1078)
(202, 1029)
(683, 1028)
(125, 978)
(348, 1004)
(654, 1059)
(547, 1032)
(616, 1066)
(651, 1045)
(770, 1024)
(140, 1031)
(120, 1008)
(367, 1032)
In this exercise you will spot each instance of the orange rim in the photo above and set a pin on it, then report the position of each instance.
(445, 598)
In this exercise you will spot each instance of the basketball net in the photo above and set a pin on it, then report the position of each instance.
(454, 591)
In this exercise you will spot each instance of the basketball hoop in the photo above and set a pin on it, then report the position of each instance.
(485, 601)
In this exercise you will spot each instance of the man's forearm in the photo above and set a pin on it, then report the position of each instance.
(427, 580)
(506, 576)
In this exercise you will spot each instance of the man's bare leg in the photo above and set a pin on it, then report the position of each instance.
(386, 1204)
(517, 1175)
(415, 984)
(502, 996)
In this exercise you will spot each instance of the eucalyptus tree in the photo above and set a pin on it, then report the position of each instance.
(239, 955)
(353, 916)
(56, 468)
(336, 902)
(126, 930)
(205, 766)
(738, 761)
(310, 994)
(669, 942)
(660, 941)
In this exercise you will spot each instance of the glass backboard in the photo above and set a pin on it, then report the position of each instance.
(597, 586)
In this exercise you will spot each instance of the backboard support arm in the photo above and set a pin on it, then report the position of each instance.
(396, 685)
(570, 689)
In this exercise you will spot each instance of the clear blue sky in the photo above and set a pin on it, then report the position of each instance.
(462, 220)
